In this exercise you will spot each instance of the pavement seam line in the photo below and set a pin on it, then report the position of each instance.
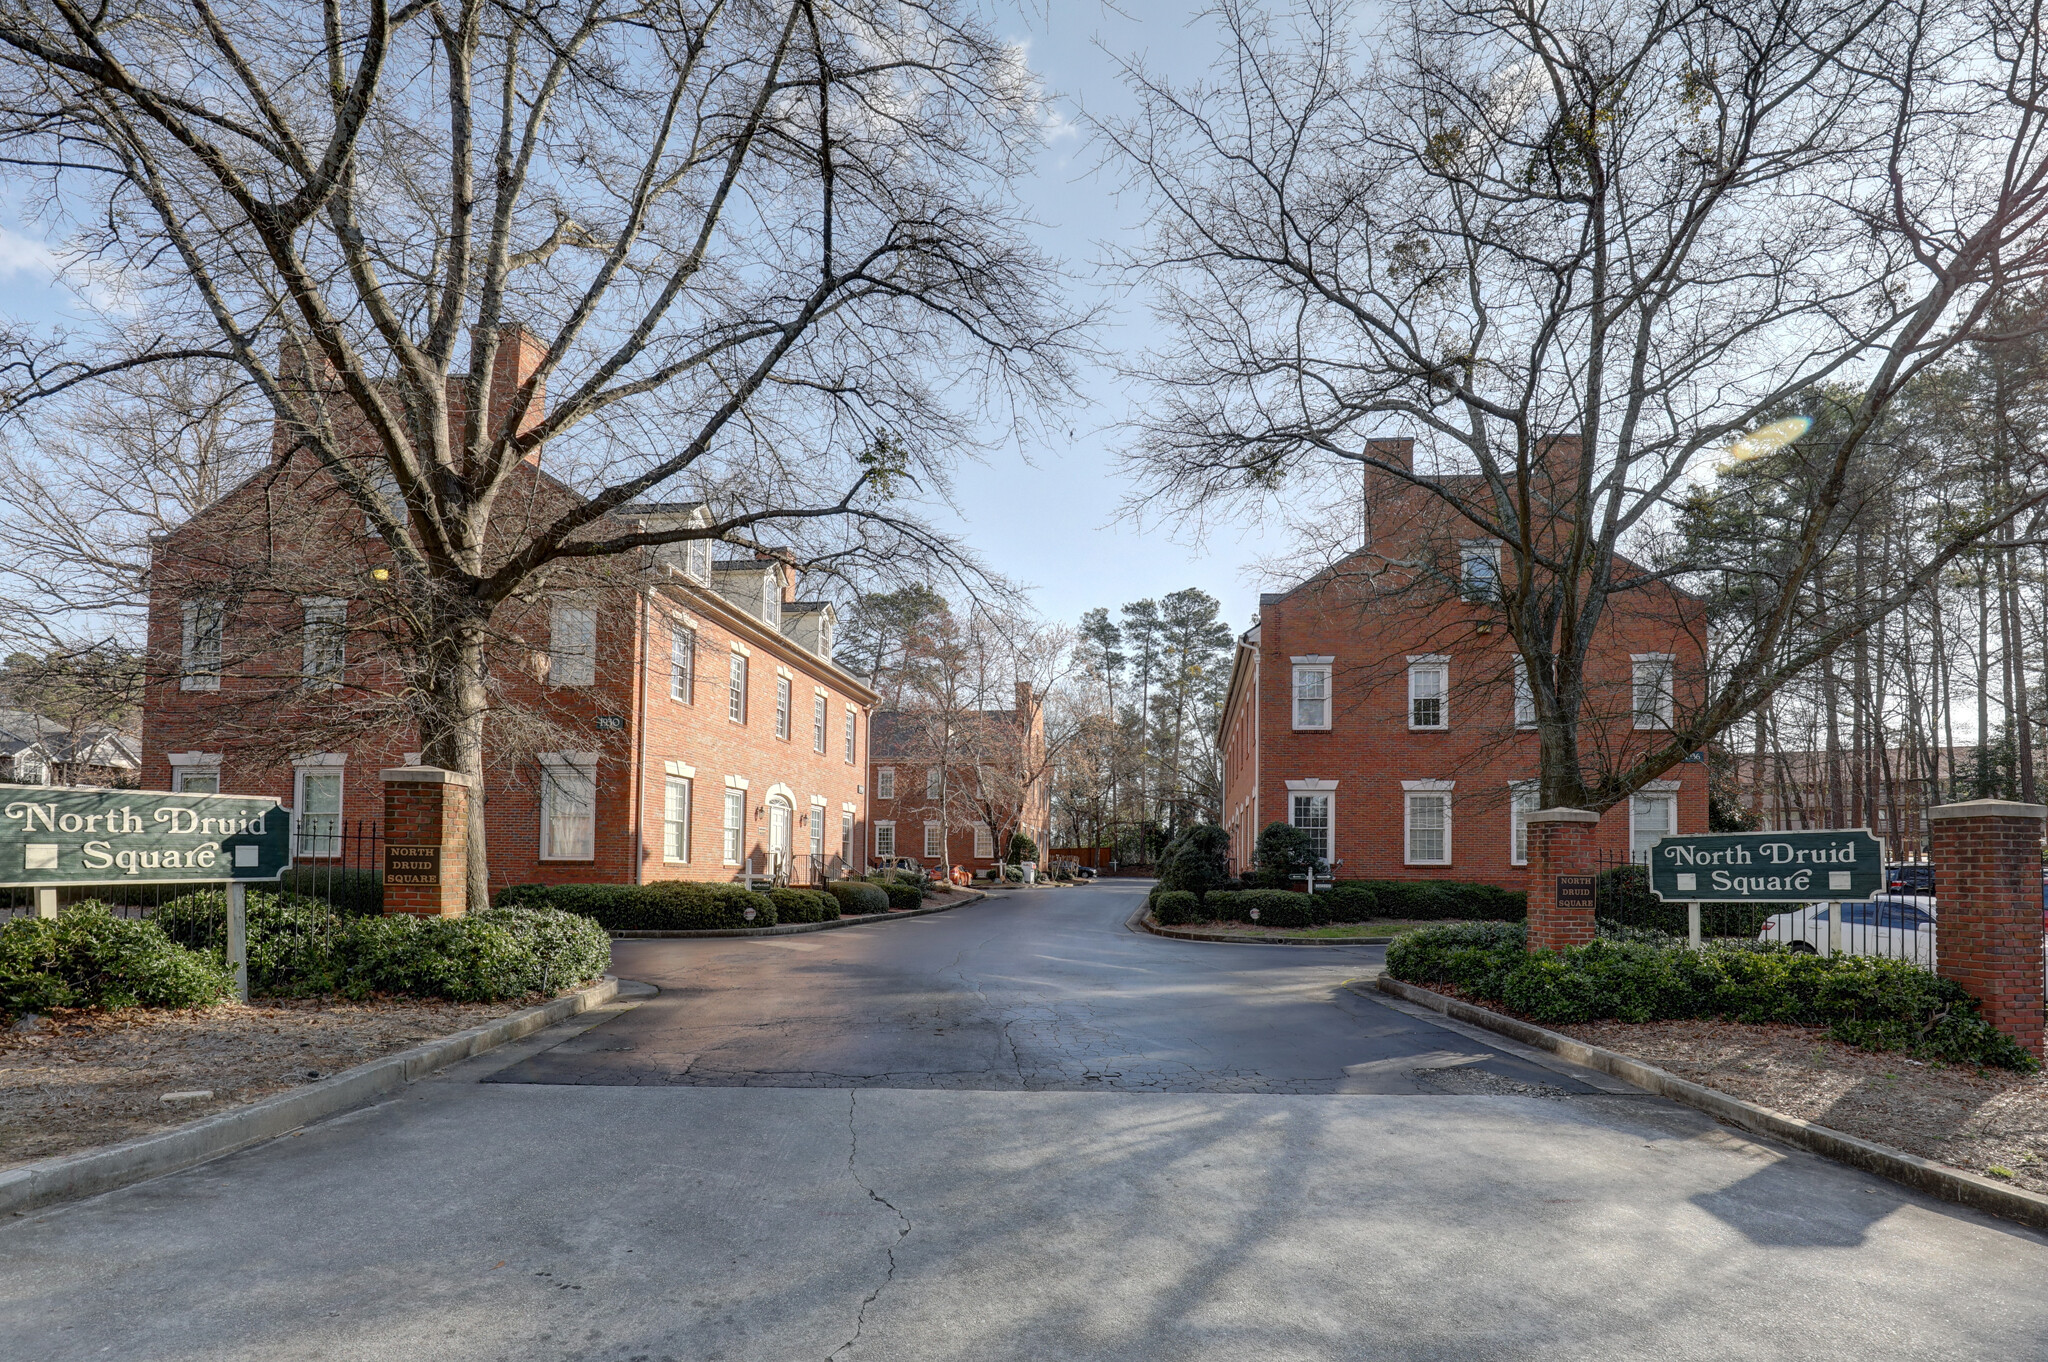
(860, 1318)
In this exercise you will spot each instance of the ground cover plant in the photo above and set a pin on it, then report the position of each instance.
(300, 947)
(1871, 1003)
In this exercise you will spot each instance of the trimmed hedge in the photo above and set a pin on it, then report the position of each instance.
(804, 905)
(1177, 908)
(901, 891)
(300, 947)
(1442, 900)
(358, 893)
(1872, 1003)
(87, 957)
(857, 897)
(665, 906)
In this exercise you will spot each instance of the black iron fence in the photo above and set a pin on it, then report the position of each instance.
(1894, 926)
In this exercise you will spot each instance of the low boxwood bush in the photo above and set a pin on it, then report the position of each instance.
(804, 905)
(666, 905)
(901, 891)
(1445, 900)
(858, 897)
(1177, 908)
(1277, 907)
(300, 947)
(1876, 1004)
(87, 957)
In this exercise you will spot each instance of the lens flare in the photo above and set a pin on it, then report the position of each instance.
(1769, 439)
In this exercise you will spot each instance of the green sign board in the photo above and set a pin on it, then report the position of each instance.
(1767, 867)
(53, 835)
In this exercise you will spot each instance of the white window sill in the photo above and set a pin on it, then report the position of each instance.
(1311, 728)
(1429, 728)
(569, 860)
(1436, 863)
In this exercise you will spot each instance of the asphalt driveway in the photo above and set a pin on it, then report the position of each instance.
(1016, 1131)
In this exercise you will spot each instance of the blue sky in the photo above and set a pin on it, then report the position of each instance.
(1045, 514)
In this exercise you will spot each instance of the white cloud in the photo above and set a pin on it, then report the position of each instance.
(25, 255)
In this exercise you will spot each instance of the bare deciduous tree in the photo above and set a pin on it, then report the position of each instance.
(765, 246)
(1650, 225)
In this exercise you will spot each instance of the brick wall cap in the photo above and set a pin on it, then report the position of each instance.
(424, 775)
(1989, 808)
(1564, 816)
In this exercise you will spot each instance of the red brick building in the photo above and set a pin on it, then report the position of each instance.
(1381, 705)
(950, 789)
(667, 716)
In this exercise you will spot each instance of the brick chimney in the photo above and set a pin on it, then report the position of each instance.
(1386, 501)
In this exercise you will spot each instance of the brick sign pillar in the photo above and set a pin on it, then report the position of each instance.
(1560, 844)
(1987, 888)
(426, 841)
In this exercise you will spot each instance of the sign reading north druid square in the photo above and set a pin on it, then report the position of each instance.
(1767, 867)
(52, 835)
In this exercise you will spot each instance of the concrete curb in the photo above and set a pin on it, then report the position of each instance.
(100, 1170)
(1923, 1175)
(792, 928)
(1141, 921)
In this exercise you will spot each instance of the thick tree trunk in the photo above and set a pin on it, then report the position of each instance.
(452, 731)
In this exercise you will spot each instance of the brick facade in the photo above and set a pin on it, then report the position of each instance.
(427, 810)
(1010, 742)
(1366, 631)
(1560, 843)
(288, 537)
(1987, 863)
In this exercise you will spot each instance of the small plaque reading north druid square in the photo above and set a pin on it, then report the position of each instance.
(412, 864)
(1575, 893)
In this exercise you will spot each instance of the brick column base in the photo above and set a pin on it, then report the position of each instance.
(1560, 843)
(426, 841)
(1987, 886)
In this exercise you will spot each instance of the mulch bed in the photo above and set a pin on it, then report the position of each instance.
(85, 1077)
(1978, 1120)
(1974, 1119)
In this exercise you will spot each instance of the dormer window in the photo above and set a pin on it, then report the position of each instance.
(771, 598)
(825, 637)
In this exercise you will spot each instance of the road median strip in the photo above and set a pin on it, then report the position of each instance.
(1141, 921)
(1924, 1175)
(73, 1176)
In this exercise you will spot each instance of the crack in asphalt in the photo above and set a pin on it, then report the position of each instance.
(860, 1318)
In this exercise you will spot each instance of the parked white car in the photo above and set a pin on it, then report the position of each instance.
(1890, 926)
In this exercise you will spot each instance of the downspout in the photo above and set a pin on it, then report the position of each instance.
(640, 743)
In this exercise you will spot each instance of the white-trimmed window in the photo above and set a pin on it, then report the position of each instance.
(984, 841)
(736, 689)
(1654, 702)
(782, 708)
(568, 806)
(1522, 797)
(1425, 822)
(323, 646)
(818, 723)
(771, 598)
(682, 664)
(846, 833)
(316, 808)
(572, 645)
(1479, 569)
(1652, 813)
(199, 651)
(934, 842)
(30, 768)
(1310, 810)
(885, 782)
(675, 818)
(934, 781)
(1429, 687)
(1525, 696)
(817, 830)
(1311, 692)
(735, 826)
(885, 840)
(852, 734)
(194, 778)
